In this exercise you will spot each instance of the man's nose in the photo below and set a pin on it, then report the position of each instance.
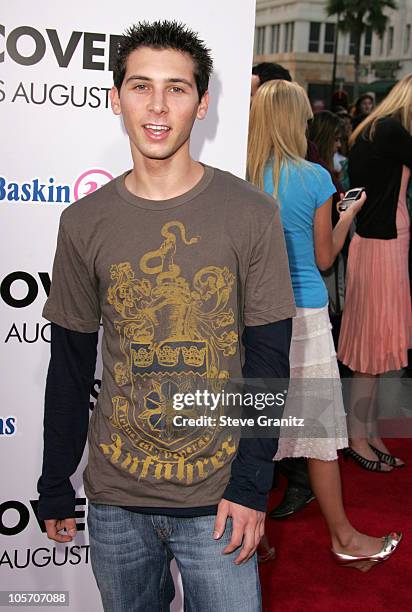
(158, 103)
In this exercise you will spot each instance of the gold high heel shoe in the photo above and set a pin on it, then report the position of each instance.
(364, 564)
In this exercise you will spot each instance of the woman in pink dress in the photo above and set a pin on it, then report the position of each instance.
(377, 319)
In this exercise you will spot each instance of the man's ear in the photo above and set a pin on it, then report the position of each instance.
(203, 106)
(115, 101)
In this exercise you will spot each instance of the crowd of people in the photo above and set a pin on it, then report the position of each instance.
(297, 156)
(199, 277)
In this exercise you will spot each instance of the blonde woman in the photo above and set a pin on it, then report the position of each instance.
(377, 321)
(276, 151)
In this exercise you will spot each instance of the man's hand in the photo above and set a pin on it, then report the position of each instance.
(247, 529)
(54, 526)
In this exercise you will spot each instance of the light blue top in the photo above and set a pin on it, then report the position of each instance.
(302, 189)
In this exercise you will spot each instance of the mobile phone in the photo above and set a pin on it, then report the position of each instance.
(350, 196)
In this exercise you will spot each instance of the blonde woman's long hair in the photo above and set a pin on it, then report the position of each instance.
(397, 103)
(277, 129)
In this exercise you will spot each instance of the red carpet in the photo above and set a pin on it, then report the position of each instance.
(304, 576)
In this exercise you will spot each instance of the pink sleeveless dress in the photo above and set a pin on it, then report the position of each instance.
(376, 330)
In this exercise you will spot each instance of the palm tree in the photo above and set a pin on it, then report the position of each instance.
(355, 16)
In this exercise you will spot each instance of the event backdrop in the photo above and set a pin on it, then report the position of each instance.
(60, 140)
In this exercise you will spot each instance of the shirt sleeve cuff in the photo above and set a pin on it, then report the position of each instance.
(250, 483)
(248, 498)
(56, 507)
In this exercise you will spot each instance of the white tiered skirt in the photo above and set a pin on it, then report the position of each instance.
(315, 392)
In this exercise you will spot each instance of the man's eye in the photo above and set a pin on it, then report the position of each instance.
(176, 89)
(141, 86)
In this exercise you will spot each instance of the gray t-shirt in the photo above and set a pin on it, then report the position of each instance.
(174, 283)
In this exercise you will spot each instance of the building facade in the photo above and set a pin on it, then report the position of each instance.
(299, 35)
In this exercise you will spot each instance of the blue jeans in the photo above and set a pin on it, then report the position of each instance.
(131, 554)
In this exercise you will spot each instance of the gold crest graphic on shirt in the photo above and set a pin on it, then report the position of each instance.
(173, 332)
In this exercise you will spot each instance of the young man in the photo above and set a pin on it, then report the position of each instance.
(187, 268)
(267, 71)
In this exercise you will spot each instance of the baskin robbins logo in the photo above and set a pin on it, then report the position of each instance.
(38, 191)
(8, 426)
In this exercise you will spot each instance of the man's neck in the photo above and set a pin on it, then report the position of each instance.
(163, 179)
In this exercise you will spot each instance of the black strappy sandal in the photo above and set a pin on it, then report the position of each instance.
(366, 464)
(387, 458)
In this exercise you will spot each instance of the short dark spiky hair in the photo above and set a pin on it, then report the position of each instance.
(269, 71)
(165, 35)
